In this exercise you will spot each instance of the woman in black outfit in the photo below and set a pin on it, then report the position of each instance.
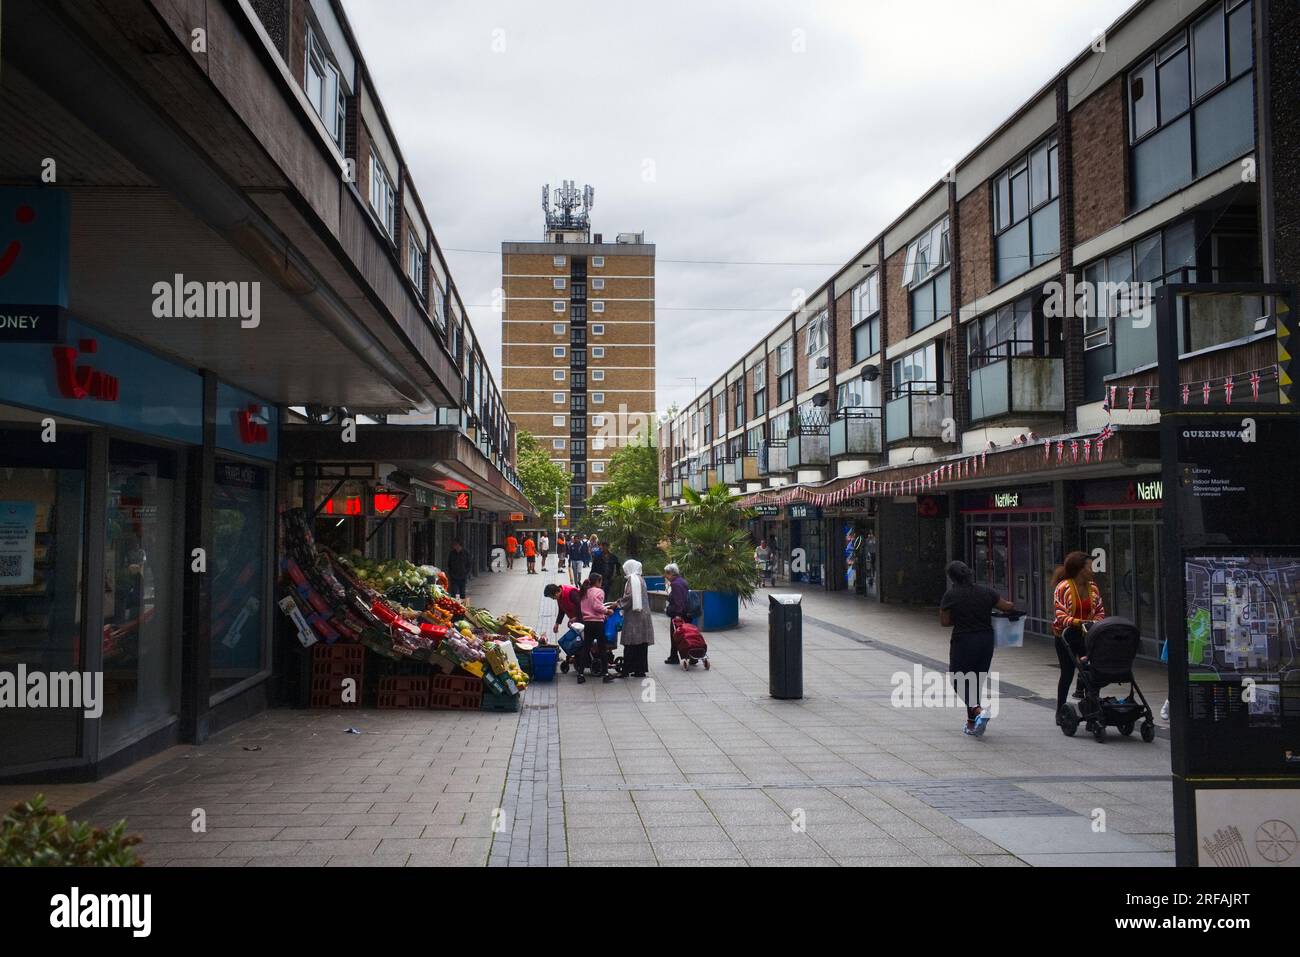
(967, 608)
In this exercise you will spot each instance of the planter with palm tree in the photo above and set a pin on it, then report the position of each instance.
(711, 545)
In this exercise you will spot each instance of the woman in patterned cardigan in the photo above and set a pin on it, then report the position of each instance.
(1078, 603)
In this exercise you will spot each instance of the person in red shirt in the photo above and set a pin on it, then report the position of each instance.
(512, 546)
(530, 553)
(566, 599)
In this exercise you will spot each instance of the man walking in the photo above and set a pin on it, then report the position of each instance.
(512, 546)
(544, 546)
(530, 554)
(579, 555)
(458, 566)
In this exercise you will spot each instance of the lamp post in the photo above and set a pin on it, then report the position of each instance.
(556, 539)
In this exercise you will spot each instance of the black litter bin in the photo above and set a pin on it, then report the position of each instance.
(785, 646)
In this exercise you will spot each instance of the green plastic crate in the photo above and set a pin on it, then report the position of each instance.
(499, 702)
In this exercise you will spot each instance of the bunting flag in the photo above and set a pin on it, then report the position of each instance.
(1047, 451)
(1087, 451)
(1131, 390)
(1186, 393)
(1254, 386)
(1148, 398)
(1205, 393)
(1074, 450)
(1101, 448)
(1227, 390)
(984, 458)
(1060, 451)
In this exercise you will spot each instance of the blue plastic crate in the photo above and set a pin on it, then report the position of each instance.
(544, 661)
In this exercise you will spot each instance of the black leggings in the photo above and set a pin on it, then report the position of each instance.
(969, 656)
(1070, 641)
(593, 647)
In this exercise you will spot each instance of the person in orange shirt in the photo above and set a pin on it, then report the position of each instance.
(1076, 600)
(512, 547)
(530, 553)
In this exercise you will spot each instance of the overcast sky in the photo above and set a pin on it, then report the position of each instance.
(771, 132)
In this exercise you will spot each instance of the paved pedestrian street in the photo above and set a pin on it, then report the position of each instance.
(684, 768)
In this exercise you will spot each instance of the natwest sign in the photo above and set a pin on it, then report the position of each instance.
(82, 381)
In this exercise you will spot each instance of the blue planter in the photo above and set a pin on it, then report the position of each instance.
(720, 610)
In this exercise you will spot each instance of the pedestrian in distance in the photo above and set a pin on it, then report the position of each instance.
(530, 554)
(579, 558)
(561, 550)
(458, 567)
(512, 546)
(763, 557)
(638, 625)
(1076, 600)
(679, 603)
(591, 604)
(544, 548)
(967, 608)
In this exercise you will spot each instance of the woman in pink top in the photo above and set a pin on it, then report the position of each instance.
(591, 604)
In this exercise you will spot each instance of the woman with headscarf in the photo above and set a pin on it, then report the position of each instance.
(967, 608)
(638, 626)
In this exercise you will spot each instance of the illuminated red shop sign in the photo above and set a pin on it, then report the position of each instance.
(82, 381)
(251, 422)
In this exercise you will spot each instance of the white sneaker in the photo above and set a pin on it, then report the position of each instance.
(1164, 711)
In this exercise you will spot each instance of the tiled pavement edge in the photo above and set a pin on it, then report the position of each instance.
(532, 825)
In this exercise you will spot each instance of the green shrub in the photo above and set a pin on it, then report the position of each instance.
(33, 835)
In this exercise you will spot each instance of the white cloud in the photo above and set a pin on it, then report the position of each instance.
(761, 153)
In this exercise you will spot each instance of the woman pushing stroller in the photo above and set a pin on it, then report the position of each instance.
(1077, 602)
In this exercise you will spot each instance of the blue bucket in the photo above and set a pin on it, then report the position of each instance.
(544, 661)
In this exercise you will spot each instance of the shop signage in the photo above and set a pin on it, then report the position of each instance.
(766, 510)
(82, 381)
(385, 502)
(31, 324)
(33, 251)
(1006, 499)
(462, 502)
(251, 422)
(516, 516)
(1153, 491)
(803, 510)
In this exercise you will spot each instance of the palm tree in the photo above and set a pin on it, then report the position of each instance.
(712, 545)
(633, 526)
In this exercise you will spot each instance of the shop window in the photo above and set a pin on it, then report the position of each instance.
(918, 371)
(142, 569)
(759, 373)
(383, 195)
(42, 533)
(241, 512)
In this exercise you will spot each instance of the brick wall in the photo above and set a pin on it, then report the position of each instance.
(1100, 161)
(843, 354)
(894, 297)
(974, 236)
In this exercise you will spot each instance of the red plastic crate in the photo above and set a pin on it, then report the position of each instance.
(326, 691)
(338, 660)
(403, 692)
(456, 700)
(458, 684)
(402, 701)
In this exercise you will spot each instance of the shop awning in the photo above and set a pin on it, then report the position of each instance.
(437, 456)
(1115, 451)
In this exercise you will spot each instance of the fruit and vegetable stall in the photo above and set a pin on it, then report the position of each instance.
(392, 629)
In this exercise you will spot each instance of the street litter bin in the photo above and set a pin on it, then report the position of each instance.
(785, 646)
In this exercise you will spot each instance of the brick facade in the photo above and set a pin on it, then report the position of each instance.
(972, 233)
(1100, 161)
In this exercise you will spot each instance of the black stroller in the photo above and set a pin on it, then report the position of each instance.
(1111, 645)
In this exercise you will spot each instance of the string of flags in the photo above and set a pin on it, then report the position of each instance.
(1079, 449)
(1133, 397)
